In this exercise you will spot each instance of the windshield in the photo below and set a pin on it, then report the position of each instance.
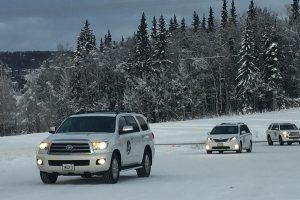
(288, 127)
(224, 130)
(99, 124)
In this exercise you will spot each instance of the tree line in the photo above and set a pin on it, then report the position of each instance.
(166, 70)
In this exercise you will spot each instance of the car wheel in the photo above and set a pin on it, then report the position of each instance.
(280, 141)
(289, 143)
(221, 152)
(250, 147)
(209, 152)
(48, 178)
(270, 142)
(112, 175)
(146, 165)
(240, 149)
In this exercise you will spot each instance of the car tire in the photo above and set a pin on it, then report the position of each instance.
(209, 152)
(281, 143)
(221, 152)
(250, 148)
(240, 149)
(270, 142)
(112, 175)
(289, 143)
(146, 165)
(48, 178)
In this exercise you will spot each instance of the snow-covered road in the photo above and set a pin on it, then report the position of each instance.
(179, 172)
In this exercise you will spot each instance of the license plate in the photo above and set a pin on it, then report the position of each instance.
(220, 144)
(68, 167)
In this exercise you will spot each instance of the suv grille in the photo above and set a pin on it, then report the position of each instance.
(69, 148)
(74, 162)
(220, 140)
(294, 134)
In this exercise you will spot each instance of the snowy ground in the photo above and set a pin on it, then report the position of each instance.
(179, 171)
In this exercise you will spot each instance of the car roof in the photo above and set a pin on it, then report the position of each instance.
(100, 113)
(231, 124)
(282, 124)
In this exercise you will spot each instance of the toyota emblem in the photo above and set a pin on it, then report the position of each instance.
(69, 147)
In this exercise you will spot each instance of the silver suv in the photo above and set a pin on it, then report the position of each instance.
(283, 132)
(229, 137)
(97, 143)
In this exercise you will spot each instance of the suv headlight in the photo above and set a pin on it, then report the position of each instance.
(285, 133)
(233, 138)
(99, 145)
(43, 147)
(209, 139)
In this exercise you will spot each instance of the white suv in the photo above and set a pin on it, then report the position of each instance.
(98, 143)
(229, 137)
(283, 132)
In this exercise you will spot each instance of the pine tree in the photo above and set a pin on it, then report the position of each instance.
(233, 15)
(294, 16)
(142, 50)
(162, 40)
(196, 22)
(86, 41)
(183, 27)
(210, 21)
(154, 29)
(175, 22)
(109, 39)
(101, 47)
(171, 25)
(247, 71)
(122, 41)
(224, 14)
(203, 24)
(251, 11)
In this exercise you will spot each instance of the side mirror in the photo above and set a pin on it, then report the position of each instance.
(243, 132)
(276, 129)
(52, 129)
(208, 133)
(126, 129)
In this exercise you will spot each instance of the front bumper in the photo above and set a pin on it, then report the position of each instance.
(81, 164)
(290, 139)
(230, 145)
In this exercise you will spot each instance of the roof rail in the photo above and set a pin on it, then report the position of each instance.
(104, 111)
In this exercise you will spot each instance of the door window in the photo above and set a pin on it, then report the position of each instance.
(131, 122)
(275, 127)
(143, 123)
(122, 123)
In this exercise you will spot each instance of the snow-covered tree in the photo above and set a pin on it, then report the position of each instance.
(183, 26)
(248, 73)
(203, 23)
(154, 29)
(295, 15)
(86, 41)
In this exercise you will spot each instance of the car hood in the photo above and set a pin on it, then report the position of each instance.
(80, 136)
(222, 136)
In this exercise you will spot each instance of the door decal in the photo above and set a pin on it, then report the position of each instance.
(128, 147)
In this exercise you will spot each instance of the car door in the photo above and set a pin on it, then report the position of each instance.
(145, 135)
(248, 136)
(244, 136)
(135, 138)
(125, 143)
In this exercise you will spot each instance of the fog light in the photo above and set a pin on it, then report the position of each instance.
(40, 161)
(100, 161)
(236, 146)
(207, 147)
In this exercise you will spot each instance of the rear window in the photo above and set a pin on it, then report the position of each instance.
(224, 130)
(98, 124)
(143, 123)
(288, 127)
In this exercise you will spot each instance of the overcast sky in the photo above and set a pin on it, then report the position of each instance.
(42, 24)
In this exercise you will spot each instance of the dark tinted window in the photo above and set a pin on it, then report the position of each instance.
(245, 129)
(122, 123)
(288, 127)
(270, 127)
(131, 122)
(224, 130)
(99, 124)
(143, 123)
(275, 127)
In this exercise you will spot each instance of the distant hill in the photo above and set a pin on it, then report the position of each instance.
(21, 62)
